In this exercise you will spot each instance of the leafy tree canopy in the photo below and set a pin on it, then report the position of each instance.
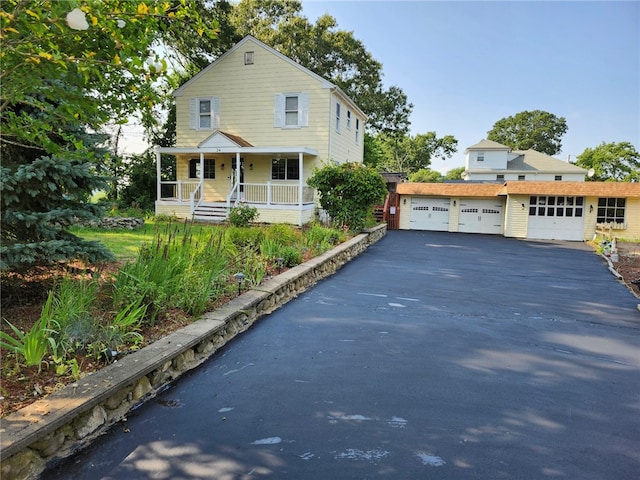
(426, 175)
(612, 162)
(538, 130)
(408, 154)
(348, 192)
(455, 173)
(67, 68)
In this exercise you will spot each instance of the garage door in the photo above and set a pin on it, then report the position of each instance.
(430, 214)
(480, 216)
(556, 218)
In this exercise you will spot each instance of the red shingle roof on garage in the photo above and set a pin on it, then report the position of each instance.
(590, 189)
(450, 189)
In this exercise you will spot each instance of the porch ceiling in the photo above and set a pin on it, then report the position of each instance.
(275, 150)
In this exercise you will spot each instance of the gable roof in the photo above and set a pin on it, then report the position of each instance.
(323, 81)
(223, 139)
(487, 145)
(462, 189)
(588, 189)
(531, 160)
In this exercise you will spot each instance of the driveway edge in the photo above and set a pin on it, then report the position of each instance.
(62, 423)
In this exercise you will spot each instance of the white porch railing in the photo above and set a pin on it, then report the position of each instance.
(275, 194)
(258, 193)
(180, 191)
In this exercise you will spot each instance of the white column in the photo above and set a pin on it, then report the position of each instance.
(300, 186)
(158, 174)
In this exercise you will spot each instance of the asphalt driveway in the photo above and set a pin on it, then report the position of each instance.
(432, 355)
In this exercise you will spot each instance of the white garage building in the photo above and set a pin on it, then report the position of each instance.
(547, 210)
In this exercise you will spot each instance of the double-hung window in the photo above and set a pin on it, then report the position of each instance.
(291, 110)
(209, 168)
(205, 113)
(285, 169)
(611, 210)
(348, 119)
(338, 106)
(357, 130)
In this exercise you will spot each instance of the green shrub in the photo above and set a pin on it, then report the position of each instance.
(245, 237)
(284, 233)
(291, 256)
(242, 215)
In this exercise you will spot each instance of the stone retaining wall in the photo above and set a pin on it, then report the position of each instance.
(62, 423)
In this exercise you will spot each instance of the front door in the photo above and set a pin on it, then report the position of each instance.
(234, 172)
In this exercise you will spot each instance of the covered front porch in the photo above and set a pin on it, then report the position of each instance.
(211, 179)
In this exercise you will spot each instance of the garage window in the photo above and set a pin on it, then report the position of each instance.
(547, 206)
(611, 210)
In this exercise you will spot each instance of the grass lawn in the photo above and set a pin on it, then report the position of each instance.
(124, 244)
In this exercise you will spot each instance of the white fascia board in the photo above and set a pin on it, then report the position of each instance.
(247, 150)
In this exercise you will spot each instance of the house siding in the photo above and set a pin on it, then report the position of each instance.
(529, 176)
(342, 145)
(516, 218)
(454, 214)
(404, 219)
(247, 95)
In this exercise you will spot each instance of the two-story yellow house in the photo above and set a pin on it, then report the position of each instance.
(252, 127)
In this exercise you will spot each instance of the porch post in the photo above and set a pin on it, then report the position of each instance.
(201, 168)
(158, 173)
(300, 185)
(238, 175)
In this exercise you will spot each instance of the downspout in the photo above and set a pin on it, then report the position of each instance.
(331, 90)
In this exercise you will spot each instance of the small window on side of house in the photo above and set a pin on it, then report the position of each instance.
(348, 119)
(357, 130)
(338, 106)
(558, 178)
(248, 58)
(500, 177)
(521, 177)
(480, 157)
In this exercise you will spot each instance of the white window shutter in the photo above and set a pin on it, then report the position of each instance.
(278, 111)
(303, 112)
(193, 113)
(215, 107)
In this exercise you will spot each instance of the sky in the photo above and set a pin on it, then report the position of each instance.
(464, 65)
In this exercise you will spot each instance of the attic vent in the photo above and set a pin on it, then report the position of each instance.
(248, 58)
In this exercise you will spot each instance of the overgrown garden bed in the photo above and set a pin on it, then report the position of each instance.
(60, 324)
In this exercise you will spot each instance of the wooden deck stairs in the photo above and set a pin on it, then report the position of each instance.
(210, 213)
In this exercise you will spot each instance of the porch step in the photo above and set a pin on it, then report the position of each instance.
(210, 213)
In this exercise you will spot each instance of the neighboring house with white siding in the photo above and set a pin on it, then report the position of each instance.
(492, 161)
(252, 127)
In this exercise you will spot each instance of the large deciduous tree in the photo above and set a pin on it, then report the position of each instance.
(408, 154)
(538, 130)
(67, 68)
(612, 162)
